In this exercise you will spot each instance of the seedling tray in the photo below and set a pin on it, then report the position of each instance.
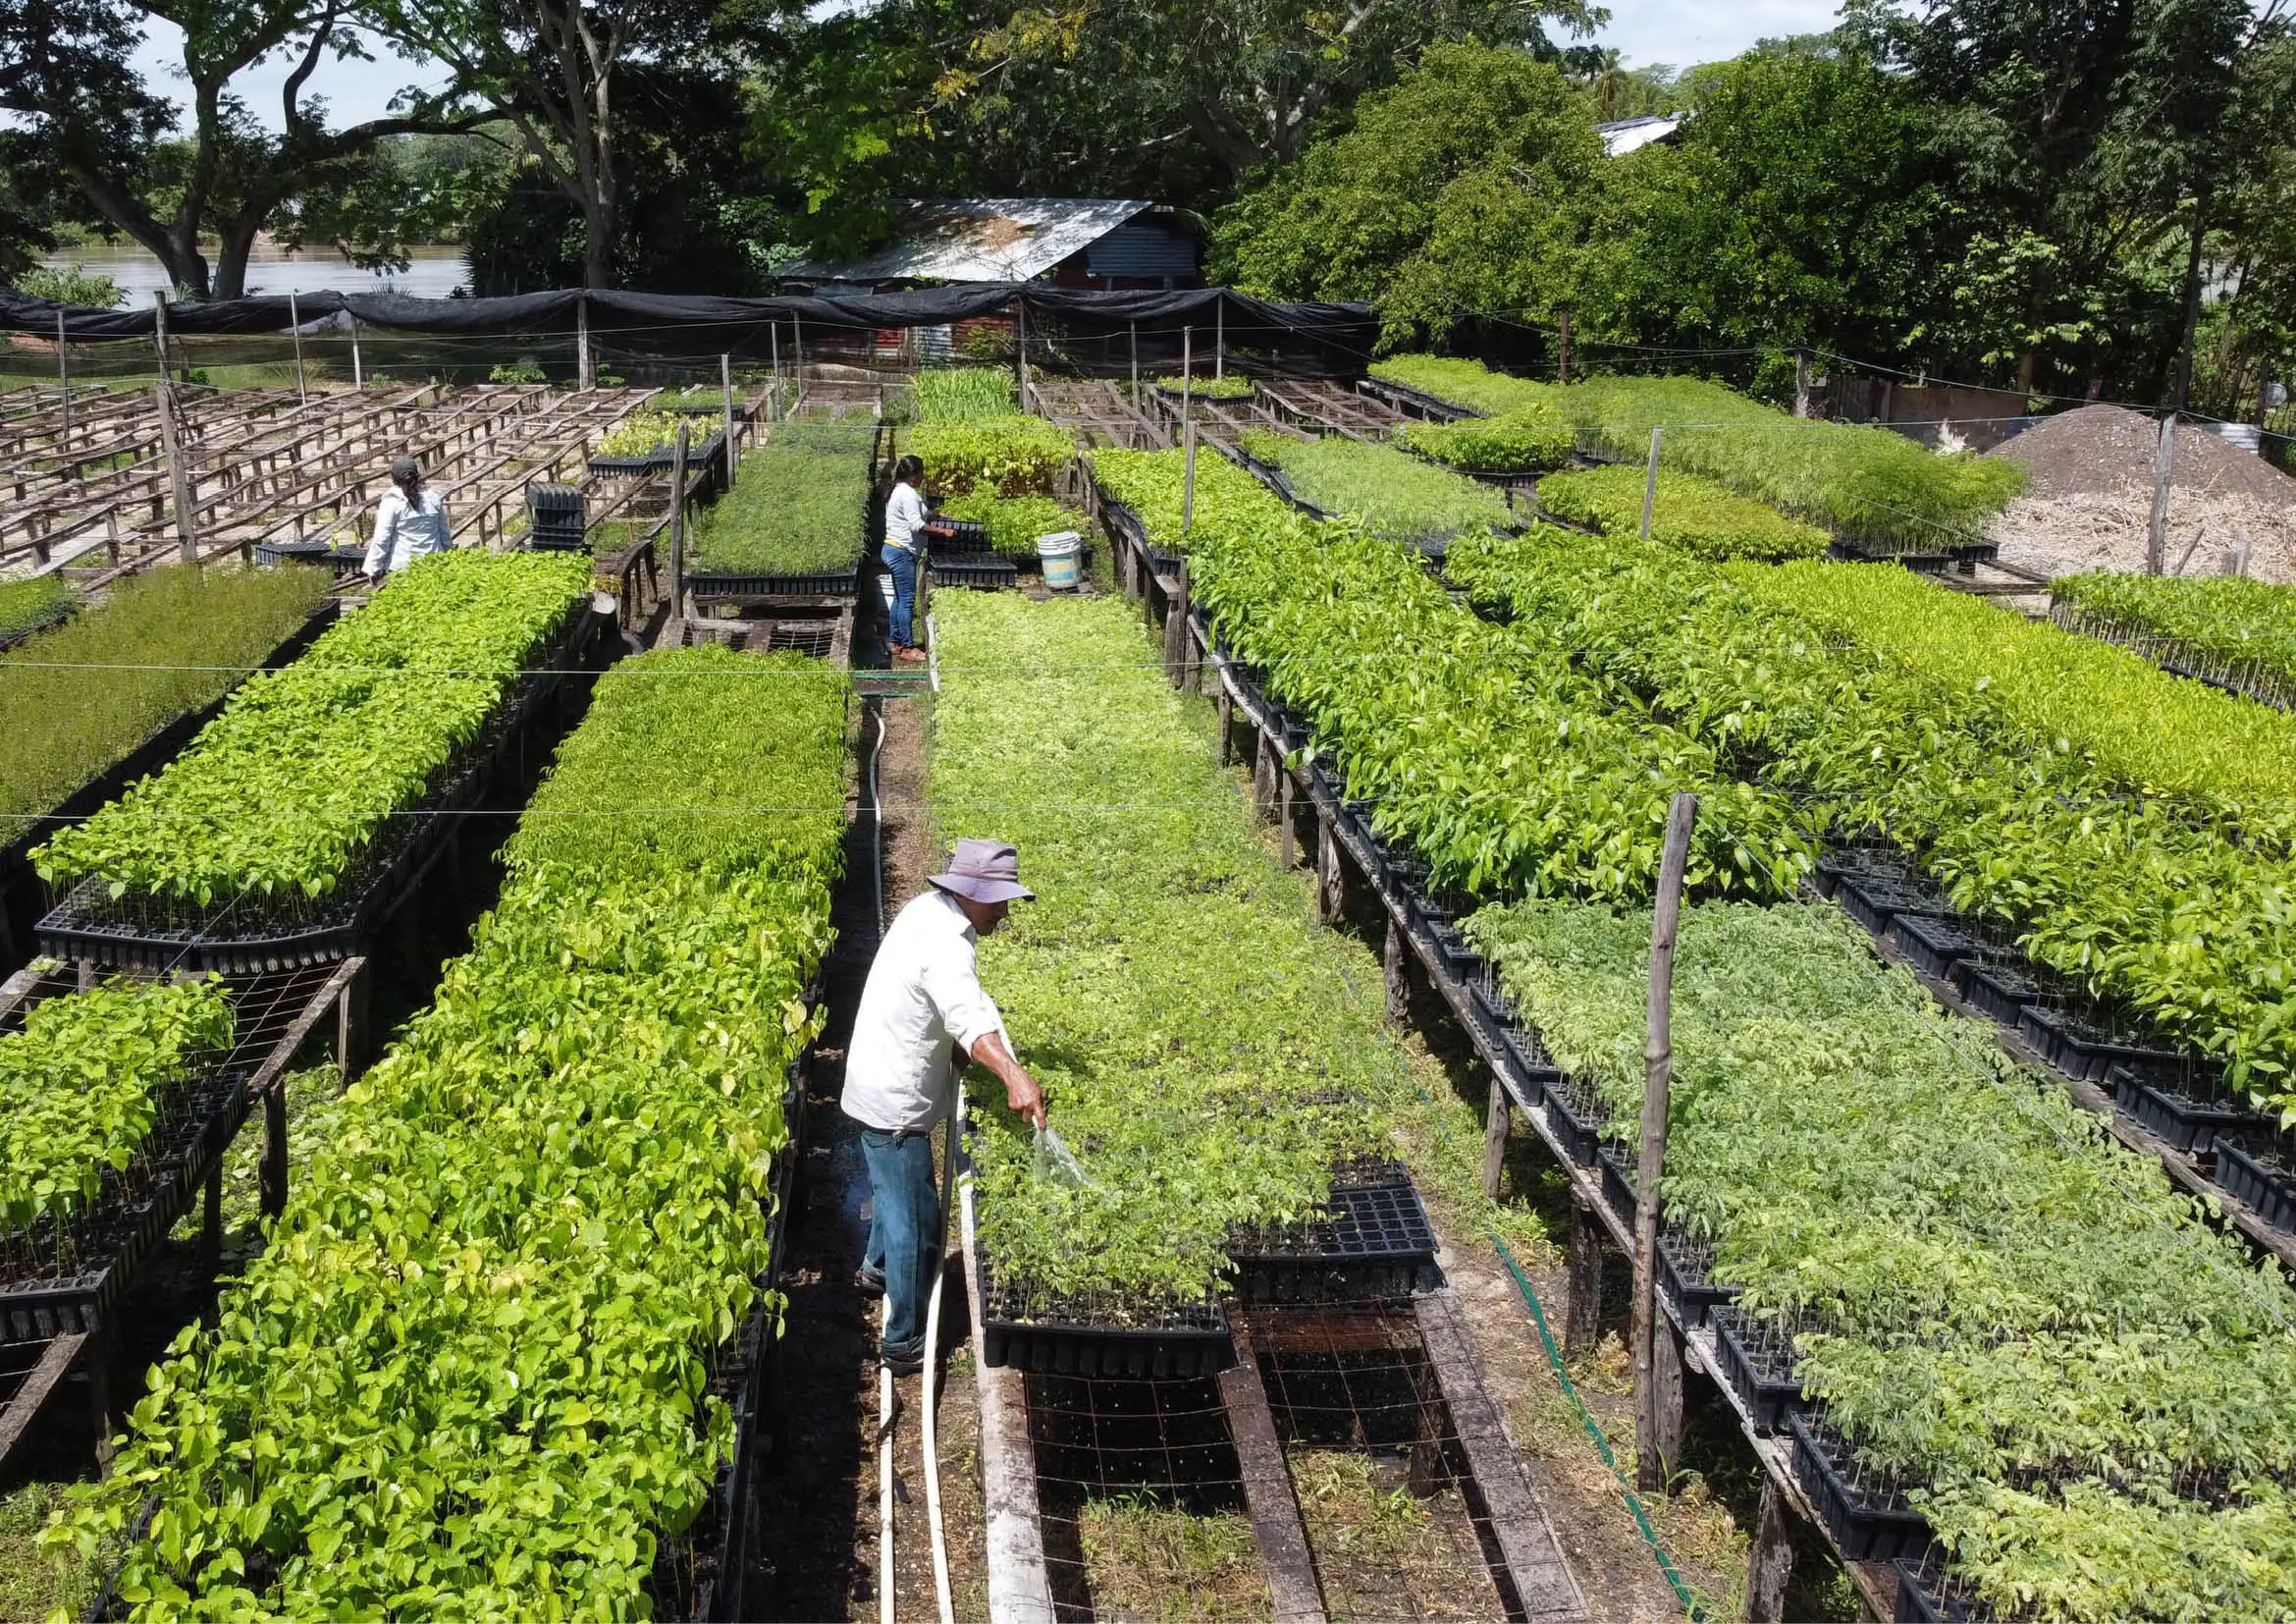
(1861, 863)
(1868, 1515)
(2081, 1048)
(157, 935)
(658, 461)
(1618, 1182)
(1372, 1242)
(981, 575)
(1996, 989)
(1534, 1072)
(132, 1214)
(1933, 945)
(1758, 1364)
(1874, 902)
(1925, 1595)
(2179, 1119)
(833, 583)
(2260, 1179)
(1685, 1281)
(1125, 1340)
(344, 561)
(1578, 1118)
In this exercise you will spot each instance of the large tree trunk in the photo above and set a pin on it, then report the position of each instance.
(176, 248)
(230, 259)
(2192, 300)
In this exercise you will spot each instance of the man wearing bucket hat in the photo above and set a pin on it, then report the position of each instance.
(922, 1008)
(410, 522)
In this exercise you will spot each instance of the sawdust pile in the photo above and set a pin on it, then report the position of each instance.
(2089, 505)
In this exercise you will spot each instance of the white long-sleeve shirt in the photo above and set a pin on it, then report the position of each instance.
(904, 517)
(924, 995)
(405, 531)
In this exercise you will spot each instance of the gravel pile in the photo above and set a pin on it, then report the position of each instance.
(2090, 502)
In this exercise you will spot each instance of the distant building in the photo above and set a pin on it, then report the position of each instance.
(1112, 242)
(1625, 136)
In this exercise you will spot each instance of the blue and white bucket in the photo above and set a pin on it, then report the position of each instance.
(1060, 553)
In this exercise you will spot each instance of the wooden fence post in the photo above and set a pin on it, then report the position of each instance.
(1582, 1317)
(178, 478)
(1770, 1561)
(1650, 1467)
(294, 327)
(726, 383)
(64, 378)
(585, 368)
(2164, 466)
(1188, 479)
(1497, 1119)
(1395, 968)
(677, 524)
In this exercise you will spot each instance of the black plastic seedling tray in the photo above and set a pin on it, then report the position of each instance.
(831, 583)
(1996, 989)
(1371, 1243)
(1933, 945)
(982, 574)
(1618, 1180)
(1870, 1518)
(1578, 1118)
(1874, 902)
(971, 536)
(1758, 1365)
(1685, 1279)
(2259, 1178)
(658, 461)
(2179, 1119)
(2079, 1048)
(1924, 1596)
(1128, 1341)
(345, 560)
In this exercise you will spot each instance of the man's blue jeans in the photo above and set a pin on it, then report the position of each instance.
(903, 564)
(904, 1231)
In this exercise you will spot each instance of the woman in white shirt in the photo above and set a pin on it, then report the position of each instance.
(905, 530)
(411, 522)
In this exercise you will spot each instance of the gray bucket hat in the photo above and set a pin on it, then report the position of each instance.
(986, 871)
(403, 468)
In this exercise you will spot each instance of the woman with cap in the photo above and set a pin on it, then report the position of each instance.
(922, 1011)
(905, 530)
(410, 522)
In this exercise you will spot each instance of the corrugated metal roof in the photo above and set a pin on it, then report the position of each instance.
(1625, 136)
(983, 240)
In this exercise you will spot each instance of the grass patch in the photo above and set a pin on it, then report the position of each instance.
(1152, 1561)
(24, 604)
(796, 509)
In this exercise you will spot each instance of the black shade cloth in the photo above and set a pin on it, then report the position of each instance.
(699, 324)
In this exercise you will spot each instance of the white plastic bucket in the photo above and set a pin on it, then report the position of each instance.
(1060, 553)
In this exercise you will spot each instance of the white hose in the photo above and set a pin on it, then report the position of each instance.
(948, 1167)
(884, 1475)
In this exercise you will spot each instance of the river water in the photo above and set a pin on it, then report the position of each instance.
(437, 269)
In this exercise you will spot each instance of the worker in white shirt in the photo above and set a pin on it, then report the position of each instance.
(923, 1008)
(905, 530)
(411, 522)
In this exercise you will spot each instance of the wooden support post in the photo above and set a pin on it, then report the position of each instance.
(1268, 1496)
(1666, 1435)
(1187, 478)
(159, 327)
(1263, 775)
(294, 327)
(1770, 1560)
(179, 477)
(1331, 888)
(1582, 1316)
(725, 385)
(1497, 1117)
(1650, 481)
(24, 1406)
(677, 524)
(350, 1024)
(1651, 1470)
(63, 377)
(1020, 327)
(1176, 631)
(1219, 338)
(1287, 832)
(1396, 973)
(585, 368)
(1226, 705)
(358, 370)
(2164, 466)
(1133, 330)
(774, 391)
(273, 1178)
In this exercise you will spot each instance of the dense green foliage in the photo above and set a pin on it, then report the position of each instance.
(1506, 773)
(946, 393)
(796, 509)
(284, 791)
(1692, 513)
(1511, 442)
(466, 1376)
(26, 604)
(1228, 386)
(1387, 491)
(81, 1086)
(2230, 616)
(2171, 904)
(1983, 1284)
(174, 639)
(1012, 455)
(642, 433)
(1014, 522)
(1161, 916)
(1471, 384)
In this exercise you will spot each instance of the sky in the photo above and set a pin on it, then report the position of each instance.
(1674, 31)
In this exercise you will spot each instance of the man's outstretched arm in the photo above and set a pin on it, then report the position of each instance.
(1021, 1091)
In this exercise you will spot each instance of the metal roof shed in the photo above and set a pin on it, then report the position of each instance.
(1081, 242)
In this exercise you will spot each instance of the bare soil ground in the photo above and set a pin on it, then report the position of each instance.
(2090, 503)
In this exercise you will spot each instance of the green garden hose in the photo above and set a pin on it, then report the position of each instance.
(1601, 1444)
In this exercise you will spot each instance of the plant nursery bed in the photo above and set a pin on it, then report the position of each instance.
(344, 561)
(1997, 991)
(833, 583)
(55, 616)
(1578, 1118)
(1372, 1242)
(1050, 1336)
(2187, 1122)
(53, 1285)
(2260, 1177)
(986, 574)
(1618, 1180)
(1874, 900)
(1867, 1513)
(236, 939)
(658, 461)
(971, 537)
(1927, 1595)
(1685, 1278)
(1757, 1361)
(1933, 943)
(2084, 1049)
